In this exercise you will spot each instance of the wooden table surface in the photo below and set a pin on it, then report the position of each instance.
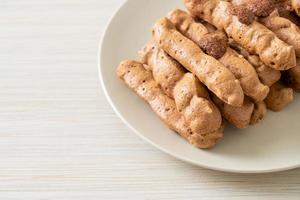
(59, 138)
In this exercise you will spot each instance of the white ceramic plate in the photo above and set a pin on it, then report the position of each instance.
(273, 145)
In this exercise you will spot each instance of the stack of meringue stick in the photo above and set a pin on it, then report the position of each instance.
(220, 61)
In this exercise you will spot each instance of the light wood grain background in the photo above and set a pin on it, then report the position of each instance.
(59, 139)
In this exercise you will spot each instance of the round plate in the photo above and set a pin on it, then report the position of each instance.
(273, 145)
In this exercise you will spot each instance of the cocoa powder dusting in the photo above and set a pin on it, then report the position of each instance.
(214, 45)
(244, 15)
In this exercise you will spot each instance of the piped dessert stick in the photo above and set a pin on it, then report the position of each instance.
(141, 81)
(279, 97)
(191, 96)
(210, 71)
(267, 75)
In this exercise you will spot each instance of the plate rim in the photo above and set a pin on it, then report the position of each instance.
(175, 155)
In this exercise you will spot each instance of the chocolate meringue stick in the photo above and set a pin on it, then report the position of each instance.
(267, 75)
(284, 29)
(141, 81)
(290, 33)
(239, 66)
(240, 117)
(190, 95)
(239, 24)
(279, 97)
(211, 72)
